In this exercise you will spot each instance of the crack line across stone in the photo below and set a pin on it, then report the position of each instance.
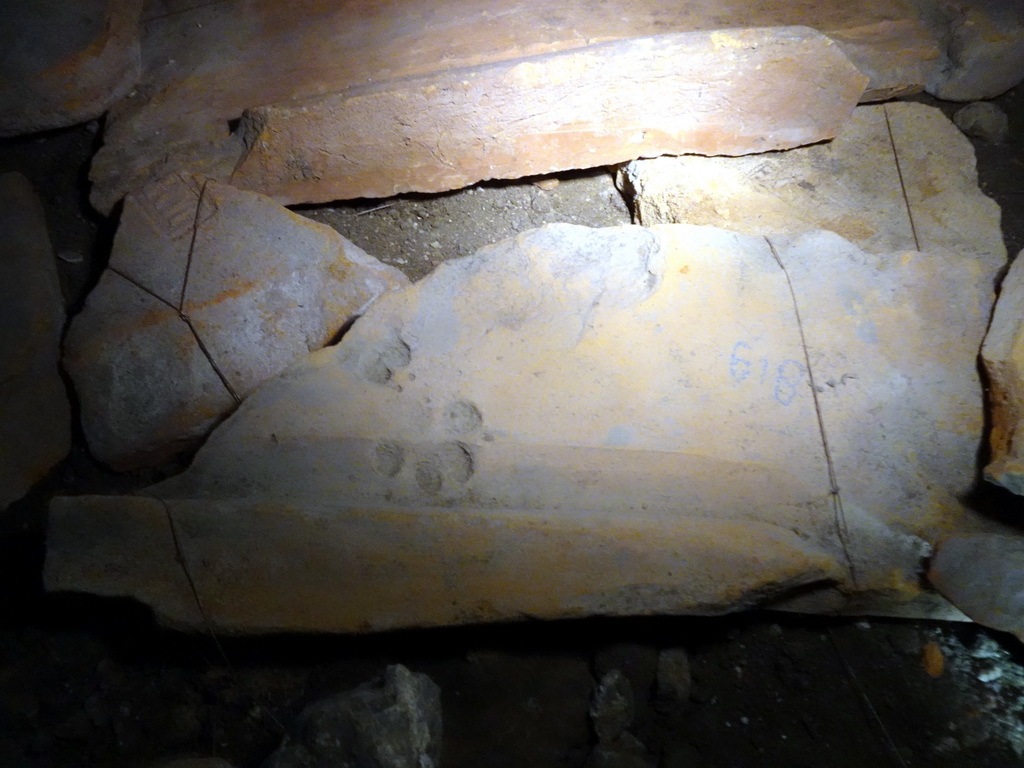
(834, 491)
(899, 172)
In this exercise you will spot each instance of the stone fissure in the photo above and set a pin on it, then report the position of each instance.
(899, 173)
(839, 515)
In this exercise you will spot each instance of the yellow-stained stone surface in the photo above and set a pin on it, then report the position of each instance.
(1003, 356)
(897, 177)
(210, 290)
(577, 422)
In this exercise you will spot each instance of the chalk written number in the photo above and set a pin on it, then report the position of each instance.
(785, 378)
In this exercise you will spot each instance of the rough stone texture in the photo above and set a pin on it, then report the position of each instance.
(208, 64)
(260, 287)
(64, 62)
(714, 93)
(851, 186)
(983, 576)
(577, 422)
(983, 120)
(984, 47)
(1003, 357)
(35, 421)
(394, 723)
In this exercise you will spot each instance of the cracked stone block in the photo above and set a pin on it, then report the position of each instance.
(572, 422)
(207, 64)
(65, 63)
(854, 185)
(209, 291)
(983, 43)
(716, 93)
(984, 121)
(1003, 357)
(35, 421)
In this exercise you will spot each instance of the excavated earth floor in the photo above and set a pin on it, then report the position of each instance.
(94, 682)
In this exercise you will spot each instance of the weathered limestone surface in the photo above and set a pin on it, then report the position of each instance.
(1003, 356)
(851, 185)
(64, 62)
(578, 422)
(209, 291)
(730, 93)
(35, 421)
(983, 575)
(209, 63)
(984, 47)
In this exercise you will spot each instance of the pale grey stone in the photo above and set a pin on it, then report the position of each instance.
(983, 120)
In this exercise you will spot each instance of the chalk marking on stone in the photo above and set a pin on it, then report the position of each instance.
(899, 172)
(837, 500)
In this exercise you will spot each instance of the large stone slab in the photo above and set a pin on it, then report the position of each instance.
(65, 63)
(35, 421)
(209, 291)
(897, 177)
(717, 93)
(1003, 357)
(208, 63)
(574, 422)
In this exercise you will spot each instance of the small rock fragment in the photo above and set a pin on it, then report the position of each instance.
(394, 723)
(983, 120)
(674, 675)
(611, 709)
